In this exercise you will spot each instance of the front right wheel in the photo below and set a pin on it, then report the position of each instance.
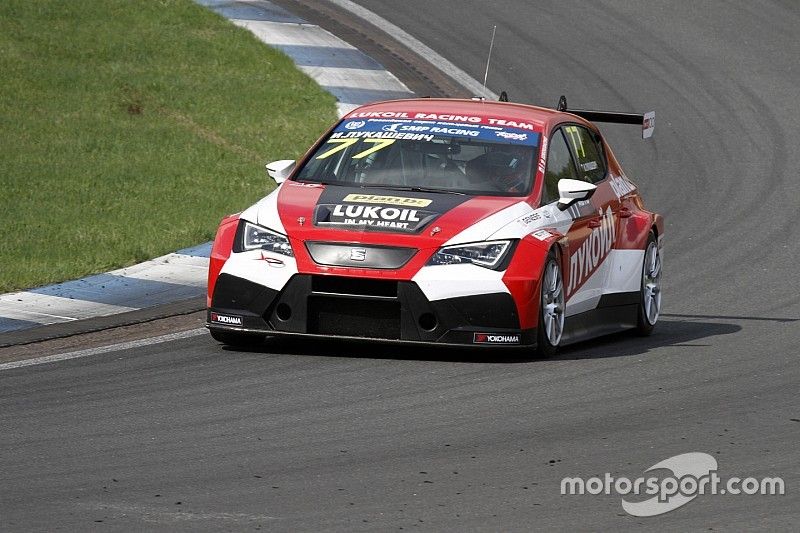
(650, 292)
(551, 308)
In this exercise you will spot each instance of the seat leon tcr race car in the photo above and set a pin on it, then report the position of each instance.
(443, 221)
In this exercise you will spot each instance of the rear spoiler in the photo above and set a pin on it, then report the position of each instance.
(647, 120)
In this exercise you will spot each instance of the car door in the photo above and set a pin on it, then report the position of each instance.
(592, 245)
(581, 216)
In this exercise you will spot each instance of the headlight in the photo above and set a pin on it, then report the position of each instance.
(488, 254)
(255, 237)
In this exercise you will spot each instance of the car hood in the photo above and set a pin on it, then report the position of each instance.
(312, 212)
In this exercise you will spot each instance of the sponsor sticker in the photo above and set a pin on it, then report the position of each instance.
(511, 124)
(271, 261)
(228, 320)
(529, 219)
(542, 234)
(543, 156)
(621, 186)
(427, 127)
(400, 218)
(512, 136)
(373, 209)
(446, 117)
(340, 136)
(585, 260)
(379, 114)
(494, 338)
(389, 200)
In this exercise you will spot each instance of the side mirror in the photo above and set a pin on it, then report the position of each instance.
(571, 191)
(280, 170)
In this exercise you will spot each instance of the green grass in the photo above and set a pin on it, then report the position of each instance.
(128, 129)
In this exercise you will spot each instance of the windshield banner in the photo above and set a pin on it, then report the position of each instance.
(427, 130)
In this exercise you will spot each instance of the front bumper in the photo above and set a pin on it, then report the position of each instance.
(367, 309)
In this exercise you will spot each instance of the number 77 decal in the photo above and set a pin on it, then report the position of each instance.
(379, 145)
(345, 143)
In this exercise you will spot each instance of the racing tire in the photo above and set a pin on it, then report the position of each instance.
(650, 291)
(236, 339)
(551, 308)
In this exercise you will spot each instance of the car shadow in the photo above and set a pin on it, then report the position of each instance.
(668, 332)
(672, 331)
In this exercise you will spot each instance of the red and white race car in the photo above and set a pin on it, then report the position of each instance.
(444, 221)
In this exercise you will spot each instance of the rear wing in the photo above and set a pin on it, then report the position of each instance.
(647, 120)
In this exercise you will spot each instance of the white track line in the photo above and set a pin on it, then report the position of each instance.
(39, 313)
(425, 52)
(169, 278)
(104, 349)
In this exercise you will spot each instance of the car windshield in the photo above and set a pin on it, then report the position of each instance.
(447, 156)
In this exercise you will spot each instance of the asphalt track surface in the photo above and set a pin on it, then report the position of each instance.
(190, 436)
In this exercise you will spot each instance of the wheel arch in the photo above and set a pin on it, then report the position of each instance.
(524, 275)
(658, 228)
(634, 230)
(220, 251)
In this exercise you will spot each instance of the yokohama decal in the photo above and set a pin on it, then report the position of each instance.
(494, 338)
(230, 320)
(584, 261)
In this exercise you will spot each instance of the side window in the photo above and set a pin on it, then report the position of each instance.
(589, 156)
(559, 167)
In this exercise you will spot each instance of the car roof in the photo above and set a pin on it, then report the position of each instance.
(541, 117)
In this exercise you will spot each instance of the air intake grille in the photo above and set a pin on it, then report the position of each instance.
(354, 286)
(354, 317)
